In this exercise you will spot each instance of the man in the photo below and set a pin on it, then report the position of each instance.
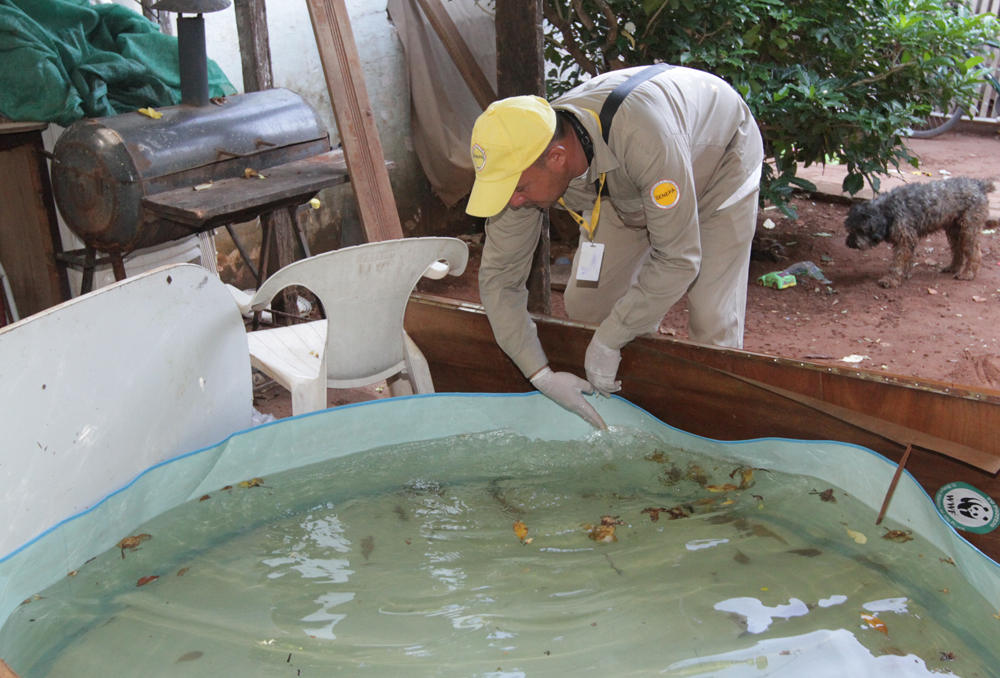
(680, 170)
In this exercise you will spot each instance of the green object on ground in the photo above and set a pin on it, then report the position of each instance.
(64, 60)
(776, 280)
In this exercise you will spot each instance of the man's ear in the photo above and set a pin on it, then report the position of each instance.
(556, 157)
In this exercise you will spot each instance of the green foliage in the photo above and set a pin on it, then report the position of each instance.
(824, 78)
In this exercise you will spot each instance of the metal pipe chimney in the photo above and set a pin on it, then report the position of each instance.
(191, 51)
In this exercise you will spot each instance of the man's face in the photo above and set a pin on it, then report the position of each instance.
(541, 186)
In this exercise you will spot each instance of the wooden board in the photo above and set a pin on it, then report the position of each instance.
(680, 384)
(355, 120)
(459, 51)
(232, 200)
(29, 231)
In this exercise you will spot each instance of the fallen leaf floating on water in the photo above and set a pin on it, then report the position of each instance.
(132, 543)
(826, 495)
(857, 536)
(367, 546)
(678, 512)
(746, 476)
(948, 561)
(947, 656)
(728, 487)
(31, 599)
(204, 497)
(190, 656)
(898, 536)
(520, 529)
(605, 532)
(150, 113)
(659, 457)
(654, 513)
(183, 571)
(146, 580)
(697, 474)
(876, 623)
(253, 482)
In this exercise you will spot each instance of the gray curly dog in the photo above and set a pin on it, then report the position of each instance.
(906, 214)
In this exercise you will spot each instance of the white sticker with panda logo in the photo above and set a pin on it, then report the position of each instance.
(967, 508)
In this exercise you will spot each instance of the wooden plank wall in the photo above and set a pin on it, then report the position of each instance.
(677, 383)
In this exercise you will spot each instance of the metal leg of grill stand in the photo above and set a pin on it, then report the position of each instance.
(243, 252)
(265, 252)
(89, 261)
(118, 266)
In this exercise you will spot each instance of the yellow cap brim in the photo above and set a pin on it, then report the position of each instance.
(488, 198)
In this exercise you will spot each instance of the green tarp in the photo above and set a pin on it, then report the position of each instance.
(63, 60)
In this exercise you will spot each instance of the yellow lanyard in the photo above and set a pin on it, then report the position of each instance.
(591, 227)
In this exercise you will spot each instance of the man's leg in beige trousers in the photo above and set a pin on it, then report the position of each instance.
(717, 300)
(624, 250)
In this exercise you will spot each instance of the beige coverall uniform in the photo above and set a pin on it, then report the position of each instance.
(682, 168)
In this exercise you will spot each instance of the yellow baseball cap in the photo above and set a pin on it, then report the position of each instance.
(507, 138)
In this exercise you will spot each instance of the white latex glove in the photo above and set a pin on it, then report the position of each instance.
(601, 364)
(566, 390)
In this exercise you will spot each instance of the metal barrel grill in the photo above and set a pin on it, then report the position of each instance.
(131, 181)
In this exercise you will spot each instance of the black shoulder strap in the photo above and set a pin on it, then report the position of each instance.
(619, 93)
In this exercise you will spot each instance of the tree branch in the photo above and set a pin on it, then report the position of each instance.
(570, 43)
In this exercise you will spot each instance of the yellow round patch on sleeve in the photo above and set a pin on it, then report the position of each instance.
(665, 194)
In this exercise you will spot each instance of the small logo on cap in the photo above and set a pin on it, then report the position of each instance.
(478, 157)
(664, 194)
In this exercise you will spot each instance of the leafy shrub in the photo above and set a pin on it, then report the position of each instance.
(825, 79)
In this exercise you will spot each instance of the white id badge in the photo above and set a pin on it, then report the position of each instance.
(589, 268)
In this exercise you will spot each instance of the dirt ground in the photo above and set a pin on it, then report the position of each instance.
(932, 326)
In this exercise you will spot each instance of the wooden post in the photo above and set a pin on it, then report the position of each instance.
(521, 70)
(29, 230)
(355, 121)
(255, 49)
(255, 54)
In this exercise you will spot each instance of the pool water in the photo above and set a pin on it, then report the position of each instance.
(404, 561)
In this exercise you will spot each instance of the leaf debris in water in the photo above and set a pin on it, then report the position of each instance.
(132, 543)
(146, 580)
(401, 513)
(367, 546)
(857, 536)
(826, 495)
(659, 457)
(808, 553)
(253, 482)
(741, 558)
(876, 623)
(898, 536)
(605, 531)
(190, 656)
(654, 513)
(520, 529)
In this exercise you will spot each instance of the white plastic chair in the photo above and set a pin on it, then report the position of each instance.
(364, 290)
